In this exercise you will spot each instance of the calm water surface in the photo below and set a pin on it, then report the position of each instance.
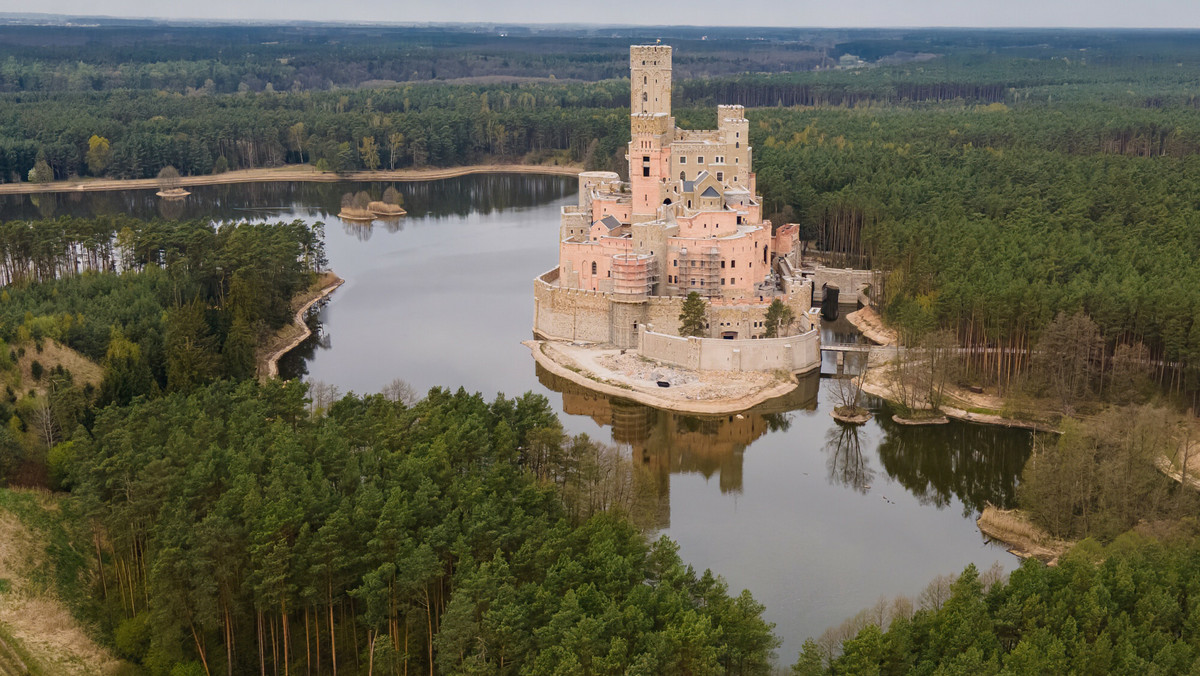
(816, 520)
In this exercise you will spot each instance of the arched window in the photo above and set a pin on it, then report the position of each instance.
(593, 267)
(645, 79)
(682, 176)
(644, 98)
(737, 144)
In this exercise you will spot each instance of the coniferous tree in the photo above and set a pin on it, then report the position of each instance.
(694, 316)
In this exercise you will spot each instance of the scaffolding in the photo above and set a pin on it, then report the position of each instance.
(633, 276)
(700, 271)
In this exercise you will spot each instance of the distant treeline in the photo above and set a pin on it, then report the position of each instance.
(229, 59)
(135, 133)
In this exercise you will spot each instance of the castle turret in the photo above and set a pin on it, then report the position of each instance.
(650, 79)
(734, 131)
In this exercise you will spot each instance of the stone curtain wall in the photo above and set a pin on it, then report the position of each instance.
(581, 315)
(798, 354)
(569, 314)
(683, 352)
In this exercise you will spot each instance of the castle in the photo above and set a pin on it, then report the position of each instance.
(688, 219)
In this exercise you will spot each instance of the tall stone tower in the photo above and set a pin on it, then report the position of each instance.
(650, 79)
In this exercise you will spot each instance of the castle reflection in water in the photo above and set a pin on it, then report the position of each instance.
(662, 443)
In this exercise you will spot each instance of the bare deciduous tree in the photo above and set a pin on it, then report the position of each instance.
(168, 178)
(321, 395)
(399, 390)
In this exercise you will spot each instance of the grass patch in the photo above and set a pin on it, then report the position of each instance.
(15, 659)
(64, 570)
(1010, 526)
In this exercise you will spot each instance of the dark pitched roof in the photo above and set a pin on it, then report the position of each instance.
(610, 222)
(710, 193)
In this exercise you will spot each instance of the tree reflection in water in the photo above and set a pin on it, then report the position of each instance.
(459, 197)
(171, 209)
(847, 465)
(978, 464)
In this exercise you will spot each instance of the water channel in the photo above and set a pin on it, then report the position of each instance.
(816, 520)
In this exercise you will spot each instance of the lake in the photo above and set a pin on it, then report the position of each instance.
(816, 520)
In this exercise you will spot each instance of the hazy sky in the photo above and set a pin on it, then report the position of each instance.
(1053, 13)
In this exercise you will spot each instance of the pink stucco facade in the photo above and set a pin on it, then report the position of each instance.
(687, 219)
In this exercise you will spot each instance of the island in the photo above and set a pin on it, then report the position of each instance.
(675, 269)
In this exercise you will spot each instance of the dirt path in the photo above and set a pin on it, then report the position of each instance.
(286, 339)
(1164, 465)
(288, 173)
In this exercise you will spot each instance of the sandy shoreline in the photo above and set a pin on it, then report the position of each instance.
(563, 365)
(295, 333)
(303, 173)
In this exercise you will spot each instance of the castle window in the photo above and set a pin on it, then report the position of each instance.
(720, 176)
(682, 176)
(700, 159)
(593, 267)
(722, 281)
(733, 264)
(610, 273)
(722, 263)
(645, 80)
(645, 97)
(737, 144)
(675, 263)
(683, 159)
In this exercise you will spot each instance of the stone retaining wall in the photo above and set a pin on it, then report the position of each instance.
(798, 354)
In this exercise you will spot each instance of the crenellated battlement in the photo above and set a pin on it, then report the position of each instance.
(731, 112)
(648, 123)
(650, 53)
